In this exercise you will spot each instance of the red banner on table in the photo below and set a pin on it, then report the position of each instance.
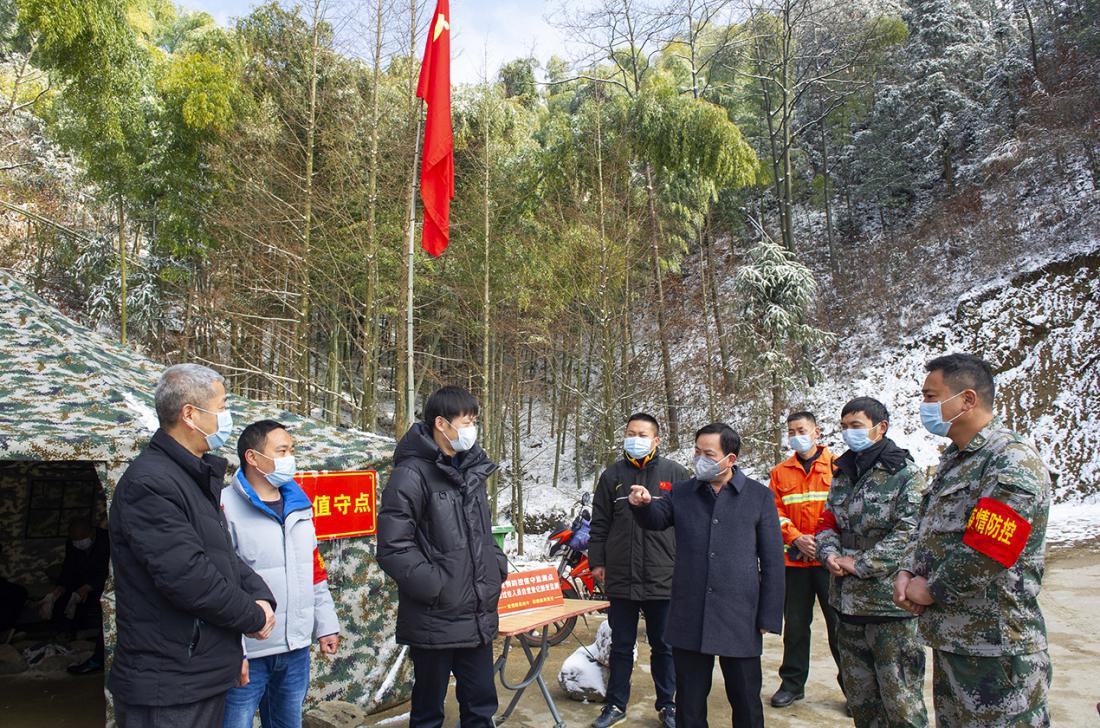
(532, 589)
(344, 502)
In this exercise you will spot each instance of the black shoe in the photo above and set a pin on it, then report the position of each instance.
(610, 716)
(668, 716)
(87, 667)
(783, 698)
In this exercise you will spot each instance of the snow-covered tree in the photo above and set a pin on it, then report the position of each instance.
(776, 291)
(947, 57)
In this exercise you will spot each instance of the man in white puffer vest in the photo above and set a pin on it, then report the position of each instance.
(271, 523)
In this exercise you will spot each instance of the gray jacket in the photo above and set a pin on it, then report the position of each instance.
(283, 552)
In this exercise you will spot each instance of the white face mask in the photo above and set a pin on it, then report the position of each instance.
(467, 436)
(283, 472)
(83, 544)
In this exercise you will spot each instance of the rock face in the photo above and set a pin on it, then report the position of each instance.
(11, 662)
(583, 675)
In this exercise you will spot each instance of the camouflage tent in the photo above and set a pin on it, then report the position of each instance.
(68, 395)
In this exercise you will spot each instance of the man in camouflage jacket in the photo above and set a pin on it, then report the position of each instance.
(975, 567)
(869, 519)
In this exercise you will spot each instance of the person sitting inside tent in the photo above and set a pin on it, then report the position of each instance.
(74, 602)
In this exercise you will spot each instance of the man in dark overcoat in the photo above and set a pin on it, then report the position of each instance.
(727, 581)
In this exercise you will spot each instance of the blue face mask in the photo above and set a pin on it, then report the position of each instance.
(801, 443)
(638, 447)
(857, 440)
(931, 416)
(219, 437)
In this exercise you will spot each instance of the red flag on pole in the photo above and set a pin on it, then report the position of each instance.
(437, 171)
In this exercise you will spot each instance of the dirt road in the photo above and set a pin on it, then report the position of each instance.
(1070, 598)
(1071, 601)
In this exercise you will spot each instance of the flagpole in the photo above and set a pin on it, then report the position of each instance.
(410, 382)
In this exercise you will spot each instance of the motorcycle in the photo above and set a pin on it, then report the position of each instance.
(569, 542)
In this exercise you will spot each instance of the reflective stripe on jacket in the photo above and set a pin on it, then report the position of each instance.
(800, 497)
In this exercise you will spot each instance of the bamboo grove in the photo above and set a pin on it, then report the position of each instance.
(242, 195)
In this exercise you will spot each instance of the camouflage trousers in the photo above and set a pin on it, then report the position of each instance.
(883, 669)
(992, 692)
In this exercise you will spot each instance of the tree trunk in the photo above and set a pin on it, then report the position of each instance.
(304, 373)
(334, 376)
(368, 416)
(122, 271)
(671, 406)
(826, 193)
(777, 417)
(708, 335)
(607, 346)
(486, 299)
(711, 281)
(517, 468)
(578, 423)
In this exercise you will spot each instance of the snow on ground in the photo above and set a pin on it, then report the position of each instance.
(1072, 523)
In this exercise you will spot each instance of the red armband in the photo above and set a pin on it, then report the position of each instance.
(319, 572)
(827, 522)
(665, 485)
(996, 530)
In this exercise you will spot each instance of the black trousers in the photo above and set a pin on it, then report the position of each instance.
(207, 713)
(804, 585)
(12, 599)
(623, 618)
(693, 677)
(474, 686)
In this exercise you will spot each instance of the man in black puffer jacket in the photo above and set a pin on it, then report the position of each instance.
(436, 541)
(635, 566)
(183, 596)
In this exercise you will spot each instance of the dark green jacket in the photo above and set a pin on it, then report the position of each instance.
(875, 519)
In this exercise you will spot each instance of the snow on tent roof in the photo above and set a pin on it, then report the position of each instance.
(68, 393)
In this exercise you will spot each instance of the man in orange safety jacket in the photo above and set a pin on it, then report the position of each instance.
(801, 485)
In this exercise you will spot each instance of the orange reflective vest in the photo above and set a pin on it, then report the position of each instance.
(800, 497)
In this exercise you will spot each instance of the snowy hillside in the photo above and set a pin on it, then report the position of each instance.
(1011, 273)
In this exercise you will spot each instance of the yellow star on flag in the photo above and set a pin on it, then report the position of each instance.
(441, 24)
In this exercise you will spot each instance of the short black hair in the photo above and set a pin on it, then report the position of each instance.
(966, 371)
(730, 441)
(869, 406)
(254, 437)
(643, 417)
(449, 402)
(802, 415)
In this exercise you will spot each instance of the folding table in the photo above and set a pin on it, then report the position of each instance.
(519, 625)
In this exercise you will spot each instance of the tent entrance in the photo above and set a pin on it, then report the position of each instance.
(39, 503)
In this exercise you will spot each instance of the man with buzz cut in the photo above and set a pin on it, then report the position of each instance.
(635, 567)
(271, 523)
(800, 485)
(864, 530)
(975, 566)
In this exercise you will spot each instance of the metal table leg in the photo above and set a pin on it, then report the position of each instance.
(534, 675)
